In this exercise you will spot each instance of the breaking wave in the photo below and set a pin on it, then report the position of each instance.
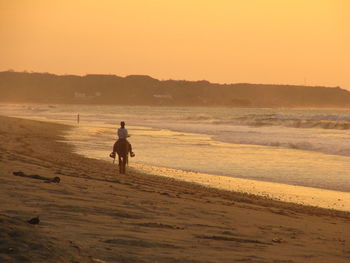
(317, 121)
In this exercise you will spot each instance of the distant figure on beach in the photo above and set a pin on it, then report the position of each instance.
(78, 118)
(123, 135)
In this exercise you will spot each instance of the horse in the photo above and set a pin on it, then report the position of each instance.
(121, 147)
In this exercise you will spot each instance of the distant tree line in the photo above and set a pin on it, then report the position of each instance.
(145, 90)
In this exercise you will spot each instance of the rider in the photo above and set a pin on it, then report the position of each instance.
(122, 135)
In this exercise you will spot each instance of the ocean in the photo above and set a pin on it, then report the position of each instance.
(296, 155)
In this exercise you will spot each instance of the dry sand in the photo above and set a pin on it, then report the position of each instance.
(96, 215)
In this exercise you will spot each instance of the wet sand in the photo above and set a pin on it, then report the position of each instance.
(95, 215)
(283, 192)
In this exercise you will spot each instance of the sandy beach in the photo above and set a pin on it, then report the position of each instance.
(96, 215)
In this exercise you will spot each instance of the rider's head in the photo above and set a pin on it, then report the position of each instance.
(122, 124)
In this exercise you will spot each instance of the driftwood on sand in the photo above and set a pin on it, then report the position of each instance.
(39, 177)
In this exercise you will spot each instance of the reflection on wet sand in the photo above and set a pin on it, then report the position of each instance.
(283, 192)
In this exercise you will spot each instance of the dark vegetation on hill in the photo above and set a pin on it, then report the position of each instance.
(144, 90)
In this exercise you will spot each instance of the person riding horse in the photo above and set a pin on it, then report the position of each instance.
(122, 135)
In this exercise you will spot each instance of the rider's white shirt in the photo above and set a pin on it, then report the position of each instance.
(122, 133)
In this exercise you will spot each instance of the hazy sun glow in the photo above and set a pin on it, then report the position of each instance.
(258, 41)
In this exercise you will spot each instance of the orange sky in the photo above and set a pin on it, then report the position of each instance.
(225, 41)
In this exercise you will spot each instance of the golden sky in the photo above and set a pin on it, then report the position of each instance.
(225, 41)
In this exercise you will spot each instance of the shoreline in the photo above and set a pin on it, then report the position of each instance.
(95, 215)
(279, 191)
(299, 195)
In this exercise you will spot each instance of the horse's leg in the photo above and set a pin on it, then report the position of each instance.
(124, 164)
(120, 164)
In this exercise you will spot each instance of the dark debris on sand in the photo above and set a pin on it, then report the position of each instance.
(21, 242)
(56, 179)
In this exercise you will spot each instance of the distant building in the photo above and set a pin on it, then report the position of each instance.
(82, 95)
(79, 95)
(163, 96)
